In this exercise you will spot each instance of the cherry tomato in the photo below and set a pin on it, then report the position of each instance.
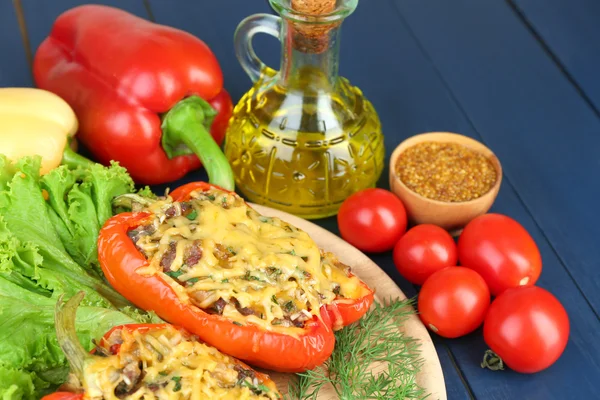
(422, 251)
(372, 220)
(527, 328)
(453, 301)
(501, 250)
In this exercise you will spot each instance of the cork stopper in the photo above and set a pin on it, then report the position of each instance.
(307, 37)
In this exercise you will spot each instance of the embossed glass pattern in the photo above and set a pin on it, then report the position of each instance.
(302, 139)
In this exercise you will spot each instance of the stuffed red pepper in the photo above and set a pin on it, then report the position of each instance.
(158, 361)
(253, 286)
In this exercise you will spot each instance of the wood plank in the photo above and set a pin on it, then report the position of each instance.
(569, 29)
(217, 31)
(522, 106)
(411, 98)
(40, 14)
(14, 68)
(530, 115)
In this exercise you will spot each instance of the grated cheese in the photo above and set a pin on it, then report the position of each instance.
(173, 368)
(265, 264)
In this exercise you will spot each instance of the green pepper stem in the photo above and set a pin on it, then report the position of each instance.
(186, 130)
(74, 160)
(64, 321)
(129, 199)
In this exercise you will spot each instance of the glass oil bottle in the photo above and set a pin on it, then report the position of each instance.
(302, 139)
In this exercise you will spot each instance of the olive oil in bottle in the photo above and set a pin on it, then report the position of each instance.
(302, 139)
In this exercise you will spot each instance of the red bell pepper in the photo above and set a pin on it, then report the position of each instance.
(63, 396)
(146, 95)
(79, 358)
(120, 259)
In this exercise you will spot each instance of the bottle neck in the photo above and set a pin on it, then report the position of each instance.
(310, 55)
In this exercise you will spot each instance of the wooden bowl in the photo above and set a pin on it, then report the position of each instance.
(452, 216)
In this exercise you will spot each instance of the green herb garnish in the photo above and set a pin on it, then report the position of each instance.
(274, 299)
(293, 252)
(375, 338)
(174, 274)
(237, 323)
(225, 280)
(192, 215)
(177, 380)
(289, 306)
(256, 389)
(211, 197)
(192, 280)
(163, 373)
(250, 277)
(300, 273)
(230, 249)
(274, 271)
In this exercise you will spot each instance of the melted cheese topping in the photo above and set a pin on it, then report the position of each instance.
(261, 270)
(172, 367)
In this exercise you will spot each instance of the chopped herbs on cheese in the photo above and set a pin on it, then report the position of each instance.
(227, 259)
(164, 364)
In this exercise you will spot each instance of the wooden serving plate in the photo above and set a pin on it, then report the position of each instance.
(430, 377)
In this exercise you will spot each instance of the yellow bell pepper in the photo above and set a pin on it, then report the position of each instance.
(37, 122)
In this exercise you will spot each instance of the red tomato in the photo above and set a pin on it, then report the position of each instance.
(372, 220)
(422, 251)
(453, 301)
(527, 328)
(501, 250)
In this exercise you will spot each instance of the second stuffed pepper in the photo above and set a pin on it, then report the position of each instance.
(152, 361)
(253, 286)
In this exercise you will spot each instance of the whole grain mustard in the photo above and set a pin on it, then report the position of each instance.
(447, 172)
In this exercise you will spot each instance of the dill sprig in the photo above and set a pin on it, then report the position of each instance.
(373, 359)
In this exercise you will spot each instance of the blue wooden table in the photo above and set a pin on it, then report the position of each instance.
(522, 76)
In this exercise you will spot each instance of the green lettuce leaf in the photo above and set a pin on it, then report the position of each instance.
(147, 192)
(80, 203)
(7, 171)
(17, 384)
(48, 247)
(30, 352)
(23, 263)
(106, 184)
(26, 215)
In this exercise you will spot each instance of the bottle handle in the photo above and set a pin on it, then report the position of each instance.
(242, 41)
